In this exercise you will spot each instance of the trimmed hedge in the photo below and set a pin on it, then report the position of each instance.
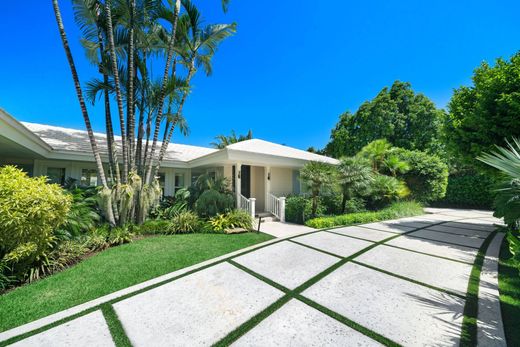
(470, 190)
(396, 210)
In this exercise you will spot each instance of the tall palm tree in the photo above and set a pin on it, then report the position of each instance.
(225, 140)
(376, 151)
(79, 93)
(355, 176)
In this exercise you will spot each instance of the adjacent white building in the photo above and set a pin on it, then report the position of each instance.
(261, 173)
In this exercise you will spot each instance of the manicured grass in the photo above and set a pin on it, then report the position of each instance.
(114, 269)
(509, 288)
(396, 210)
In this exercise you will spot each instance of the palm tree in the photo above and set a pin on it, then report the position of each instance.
(317, 176)
(84, 112)
(507, 161)
(223, 141)
(354, 176)
(376, 151)
(395, 165)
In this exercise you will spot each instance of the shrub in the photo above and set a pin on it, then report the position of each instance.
(385, 190)
(330, 203)
(234, 219)
(469, 190)
(298, 209)
(151, 227)
(184, 222)
(82, 217)
(427, 176)
(30, 209)
(396, 210)
(211, 202)
(120, 235)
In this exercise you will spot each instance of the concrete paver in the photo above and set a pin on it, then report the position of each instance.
(199, 309)
(297, 324)
(287, 263)
(462, 240)
(392, 228)
(407, 313)
(459, 231)
(86, 331)
(364, 233)
(336, 244)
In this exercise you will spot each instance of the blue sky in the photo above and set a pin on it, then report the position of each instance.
(291, 69)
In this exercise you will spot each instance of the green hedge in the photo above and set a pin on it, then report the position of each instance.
(470, 190)
(396, 210)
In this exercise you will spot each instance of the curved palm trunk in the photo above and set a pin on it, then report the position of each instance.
(162, 96)
(79, 93)
(119, 97)
(168, 138)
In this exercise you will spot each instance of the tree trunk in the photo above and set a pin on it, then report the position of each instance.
(343, 202)
(162, 96)
(84, 112)
(119, 97)
(131, 82)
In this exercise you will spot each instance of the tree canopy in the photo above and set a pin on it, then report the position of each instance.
(406, 119)
(486, 113)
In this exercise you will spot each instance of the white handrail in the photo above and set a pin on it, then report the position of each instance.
(247, 205)
(276, 206)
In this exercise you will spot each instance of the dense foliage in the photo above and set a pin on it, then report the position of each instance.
(398, 114)
(486, 113)
(396, 210)
(427, 175)
(317, 176)
(469, 189)
(30, 210)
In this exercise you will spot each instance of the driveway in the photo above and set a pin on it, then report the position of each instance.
(400, 282)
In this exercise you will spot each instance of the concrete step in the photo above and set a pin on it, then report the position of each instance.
(267, 217)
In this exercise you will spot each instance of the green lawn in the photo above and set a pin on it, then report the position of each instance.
(114, 269)
(509, 287)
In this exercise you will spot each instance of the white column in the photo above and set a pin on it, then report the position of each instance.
(252, 202)
(282, 209)
(238, 174)
(267, 186)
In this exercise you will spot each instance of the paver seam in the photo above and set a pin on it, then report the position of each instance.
(357, 237)
(317, 249)
(114, 325)
(432, 255)
(448, 232)
(468, 334)
(447, 242)
(44, 327)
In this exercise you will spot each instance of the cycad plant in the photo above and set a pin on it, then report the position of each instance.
(124, 39)
(507, 161)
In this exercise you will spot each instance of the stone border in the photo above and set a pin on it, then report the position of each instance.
(490, 328)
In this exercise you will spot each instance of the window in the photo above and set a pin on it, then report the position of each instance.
(89, 177)
(56, 175)
(179, 181)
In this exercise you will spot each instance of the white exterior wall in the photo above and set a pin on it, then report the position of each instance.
(281, 180)
(257, 186)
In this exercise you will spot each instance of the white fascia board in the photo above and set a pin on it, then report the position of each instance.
(215, 158)
(253, 158)
(17, 132)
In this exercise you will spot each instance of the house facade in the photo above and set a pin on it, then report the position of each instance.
(260, 173)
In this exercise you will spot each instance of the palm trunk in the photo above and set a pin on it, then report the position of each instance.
(79, 93)
(119, 97)
(140, 130)
(131, 82)
(167, 140)
(162, 96)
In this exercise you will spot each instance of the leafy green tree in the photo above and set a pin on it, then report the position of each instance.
(225, 140)
(398, 114)
(355, 176)
(485, 113)
(317, 176)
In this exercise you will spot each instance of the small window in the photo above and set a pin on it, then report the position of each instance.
(56, 175)
(89, 177)
(179, 181)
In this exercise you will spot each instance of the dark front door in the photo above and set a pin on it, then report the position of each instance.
(245, 181)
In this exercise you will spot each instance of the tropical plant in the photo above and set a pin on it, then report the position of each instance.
(30, 210)
(82, 216)
(317, 175)
(225, 140)
(355, 176)
(123, 39)
(507, 161)
(407, 119)
(184, 222)
(212, 202)
(395, 165)
(231, 220)
(385, 190)
(376, 151)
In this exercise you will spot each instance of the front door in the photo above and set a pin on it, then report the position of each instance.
(245, 181)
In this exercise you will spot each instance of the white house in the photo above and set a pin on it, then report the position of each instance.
(261, 173)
